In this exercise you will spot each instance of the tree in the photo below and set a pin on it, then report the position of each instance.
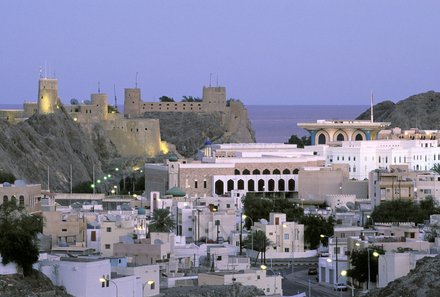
(359, 262)
(6, 177)
(190, 99)
(162, 221)
(18, 231)
(436, 168)
(300, 142)
(166, 99)
(259, 242)
(314, 227)
(84, 187)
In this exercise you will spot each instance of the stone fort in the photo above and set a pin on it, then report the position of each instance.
(132, 134)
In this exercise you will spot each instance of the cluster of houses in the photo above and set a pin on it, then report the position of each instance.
(97, 245)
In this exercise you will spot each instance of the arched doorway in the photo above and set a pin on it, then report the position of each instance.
(219, 186)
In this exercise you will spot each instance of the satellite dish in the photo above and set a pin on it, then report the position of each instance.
(73, 101)
(87, 102)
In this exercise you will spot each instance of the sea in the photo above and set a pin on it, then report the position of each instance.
(276, 123)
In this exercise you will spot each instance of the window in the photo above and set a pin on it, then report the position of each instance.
(196, 184)
(286, 250)
(64, 230)
(258, 277)
(286, 236)
(93, 236)
(204, 184)
(219, 258)
(190, 229)
(107, 246)
(152, 285)
(21, 200)
(109, 229)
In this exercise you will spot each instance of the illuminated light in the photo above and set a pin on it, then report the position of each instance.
(135, 195)
(105, 177)
(109, 175)
(113, 191)
(92, 186)
(150, 282)
(263, 267)
(376, 254)
(98, 181)
(115, 187)
(343, 272)
(75, 119)
(116, 169)
(164, 147)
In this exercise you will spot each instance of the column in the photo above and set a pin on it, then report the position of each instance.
(312, 136)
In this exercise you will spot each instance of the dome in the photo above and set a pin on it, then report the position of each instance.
(141, 211)
(208, 142)
(173, 158)
(175, 192)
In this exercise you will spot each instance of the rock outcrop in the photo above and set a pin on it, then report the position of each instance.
(418, 111)
(423, 281)
(36, 285)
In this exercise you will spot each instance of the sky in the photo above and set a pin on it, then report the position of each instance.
(282, 52)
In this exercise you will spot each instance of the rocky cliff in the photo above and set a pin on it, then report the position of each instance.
(52, 143)
(189, 130)
(418, 111)
(423, 281)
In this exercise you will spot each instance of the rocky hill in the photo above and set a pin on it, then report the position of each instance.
(423, 281)
(418, 111)
(189, 130)
(36, 285)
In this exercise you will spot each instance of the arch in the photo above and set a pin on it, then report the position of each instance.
(14, 199)
(5, 199)
(358, 135)
(295, 171)
(230, 185)
(240, 184)
(219, 186)
(21, 200)
(260, 185)
(256, 172)
(286, 171)
(266, 172)
(340, 135)
(281, 185)
(271, 185)
(291, 185)
(237, 172)
(246, 172)
(251, 185)
(322, 137)
(276, 171)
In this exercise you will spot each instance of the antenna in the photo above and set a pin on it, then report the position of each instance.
(99, 87)
(136, 82)
(210, 76)
(116, 99)
(41, 71)
(217, 79)
(45, 69)
(371, 107)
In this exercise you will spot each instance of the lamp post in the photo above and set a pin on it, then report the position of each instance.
(241, 234)
(375, 254)
(244, 217)
(105, 282)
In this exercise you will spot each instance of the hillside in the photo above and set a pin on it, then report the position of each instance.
(418, 111)
(423, 281)
(36, 285)
(189, 130)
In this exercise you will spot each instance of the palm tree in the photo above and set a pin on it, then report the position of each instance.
(162, 221)
(436, 168)
(260, 244)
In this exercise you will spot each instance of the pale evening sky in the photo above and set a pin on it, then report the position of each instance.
(264, 52)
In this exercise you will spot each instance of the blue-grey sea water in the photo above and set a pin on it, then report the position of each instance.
(276, 123)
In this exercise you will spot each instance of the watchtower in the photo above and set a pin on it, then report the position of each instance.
(214, 99)
(132, 101)
(47, 95)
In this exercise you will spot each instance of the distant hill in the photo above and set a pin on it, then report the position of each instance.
(418, 111)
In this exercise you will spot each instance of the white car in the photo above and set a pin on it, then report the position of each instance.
(340, 287)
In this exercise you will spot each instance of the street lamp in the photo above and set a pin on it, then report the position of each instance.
(244, 217)
(375, 254)
(105, 282)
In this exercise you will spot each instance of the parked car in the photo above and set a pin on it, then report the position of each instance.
(313, 271)
(340, 287)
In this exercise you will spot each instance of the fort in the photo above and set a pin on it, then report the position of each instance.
(131, 133)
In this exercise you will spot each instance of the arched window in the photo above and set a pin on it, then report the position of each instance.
(219, 186)
(14, 199)
(230, 185)
(271, 185)
(295, 171)
(266, 172)
(260, 185)
(251, 185)
(240, 184)
(256, 172)
(5, 199)
(291, 185)
(286, 171)
(276, 171)
(340, 137)
(321, 139)
(21, 200)
(359, 137)
(246, 172)
(237, 172)
(281, 185)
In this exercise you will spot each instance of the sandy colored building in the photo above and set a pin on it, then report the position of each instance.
(25, 195)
